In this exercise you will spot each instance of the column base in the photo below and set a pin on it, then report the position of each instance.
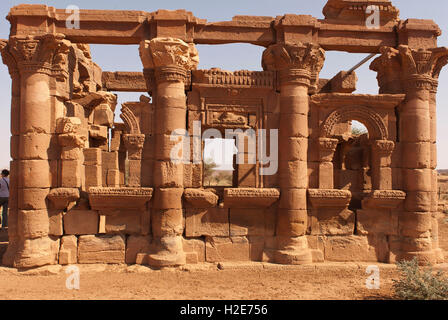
(439, 255)
(169, 253)
(424, 257)
(166, 259)
(292, 251)
(10, 253)
(293, 257)
(32, 253)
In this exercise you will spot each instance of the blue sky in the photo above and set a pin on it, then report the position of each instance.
(234, 56)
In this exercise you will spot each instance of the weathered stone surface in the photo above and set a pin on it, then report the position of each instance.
(351, 248)
(124, 222)
(207, 222)
(194, 250)
(227, 249)
(33, 223)
(68, 254)
(244, 222)
(32, 198)
(56, 225)
(101, 249)
(136, 245)
(198, 198)
(61, 198)
(334, 222)
(81, 222)
(37, 252)
(378, 221)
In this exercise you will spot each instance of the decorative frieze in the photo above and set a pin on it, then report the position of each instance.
(329, 198)
(110, 200)
(386, 199)
(242, 78)
(200, 198)
(250, 197)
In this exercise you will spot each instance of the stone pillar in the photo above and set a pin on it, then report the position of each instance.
(327, 148)
(9, 60)
(42, 62)
(419, 70)
(134, 145)
(381, 161)
(433, 165)
(71, 166)
(172, 60)
(295, 64)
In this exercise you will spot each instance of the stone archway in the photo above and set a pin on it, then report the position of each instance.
(372, 167)
(373, 122)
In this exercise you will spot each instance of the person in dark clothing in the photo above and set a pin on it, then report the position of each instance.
(4, 197)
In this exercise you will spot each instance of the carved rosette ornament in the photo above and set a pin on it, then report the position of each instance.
(134, 144)
(170, 58)
(46, 54)
(296, 63)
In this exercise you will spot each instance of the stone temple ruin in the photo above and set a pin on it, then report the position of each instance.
(87, 190)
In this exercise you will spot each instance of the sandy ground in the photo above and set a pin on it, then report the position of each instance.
(236, 281)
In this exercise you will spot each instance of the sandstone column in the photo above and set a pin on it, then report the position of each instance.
(171, 60)
(42, 61)
(415, 73)
(295, 64)
(9, 60)
(420, 69)
(433, 165)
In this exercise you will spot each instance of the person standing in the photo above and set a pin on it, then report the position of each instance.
(4, 197)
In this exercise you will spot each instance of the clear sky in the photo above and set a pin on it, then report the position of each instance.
(234, 56)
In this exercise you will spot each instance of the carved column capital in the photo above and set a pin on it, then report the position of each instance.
(383, 147)
(41, 54)
(297, 63)
(388, 68)
(170, 58)
(134, 144)
(8, 59)
(327, 147)
(407, 69)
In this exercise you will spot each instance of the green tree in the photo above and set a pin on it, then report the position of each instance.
(224, 178)
(208, 169)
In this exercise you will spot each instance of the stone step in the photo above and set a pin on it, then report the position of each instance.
(3, 235)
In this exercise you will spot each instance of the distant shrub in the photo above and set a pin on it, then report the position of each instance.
(418, 283)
